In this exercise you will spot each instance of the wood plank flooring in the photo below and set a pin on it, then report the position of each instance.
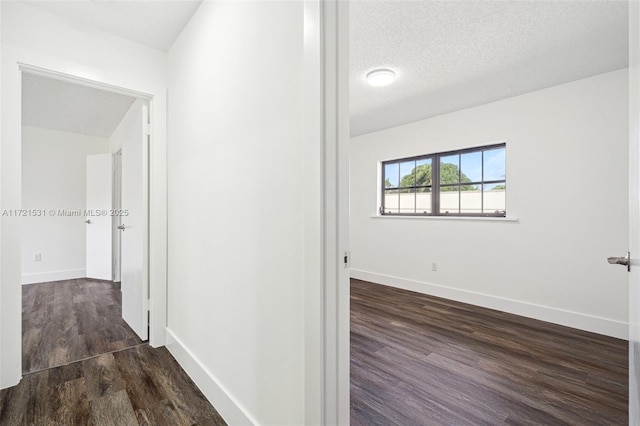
(422, 360)
(135, 386)
(67, 321)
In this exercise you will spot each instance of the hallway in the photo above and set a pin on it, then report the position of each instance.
(83, 365)
(139, 385)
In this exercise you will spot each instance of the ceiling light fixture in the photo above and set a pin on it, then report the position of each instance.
(381, 77)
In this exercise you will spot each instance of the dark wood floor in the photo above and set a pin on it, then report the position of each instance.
(421, 360)
(135, 386)
(71, 320)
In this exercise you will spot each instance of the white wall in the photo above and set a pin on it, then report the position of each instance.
(129, 126)
(551, 262)
(236, 274)
(34, 37)
(32, 29)
(54, 177)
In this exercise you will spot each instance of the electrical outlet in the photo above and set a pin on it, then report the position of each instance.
(37, 257)
(434, 266)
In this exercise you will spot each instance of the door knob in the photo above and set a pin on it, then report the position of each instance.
(121, 227)
(624, 261)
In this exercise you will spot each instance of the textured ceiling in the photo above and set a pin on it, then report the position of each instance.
(155, 23)
(60, 105)
(451, 55)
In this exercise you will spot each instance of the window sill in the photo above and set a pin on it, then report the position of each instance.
(463, 218)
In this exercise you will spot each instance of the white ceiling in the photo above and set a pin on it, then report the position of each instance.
(449, 55)
(60, 105)
(452, 55)
(155, 23)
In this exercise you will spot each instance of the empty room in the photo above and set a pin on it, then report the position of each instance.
(488, 186)
(464, 173)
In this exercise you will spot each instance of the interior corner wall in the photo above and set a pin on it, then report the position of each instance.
(236, 209)
(54, 181)
(128, 126)
(567, 184)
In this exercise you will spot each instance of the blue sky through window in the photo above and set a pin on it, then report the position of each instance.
(477, 166)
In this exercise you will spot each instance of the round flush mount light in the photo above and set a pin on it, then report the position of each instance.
(381, 77)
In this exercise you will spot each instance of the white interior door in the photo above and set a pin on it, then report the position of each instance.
(134, 230)
(98, 225)
(117, 219)
(634, 213)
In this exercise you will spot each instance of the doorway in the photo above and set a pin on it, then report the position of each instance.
(14, 62)
(72, 297)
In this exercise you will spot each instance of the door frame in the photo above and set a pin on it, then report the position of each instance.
(327, 119)
(326, 161)
(634, 186)
(336, 181)
(14, 63)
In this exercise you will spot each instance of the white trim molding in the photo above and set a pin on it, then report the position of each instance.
(228, 407)
(335, 213)
(605, 326)
(45, 277)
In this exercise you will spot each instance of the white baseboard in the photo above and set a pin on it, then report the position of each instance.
(45, 277)
(577, 320)
(232, 412)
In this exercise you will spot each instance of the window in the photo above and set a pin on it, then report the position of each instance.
(468, 182)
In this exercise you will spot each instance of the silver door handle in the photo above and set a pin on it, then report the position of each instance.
(88, 221)
(121, 227)
(624, 261)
